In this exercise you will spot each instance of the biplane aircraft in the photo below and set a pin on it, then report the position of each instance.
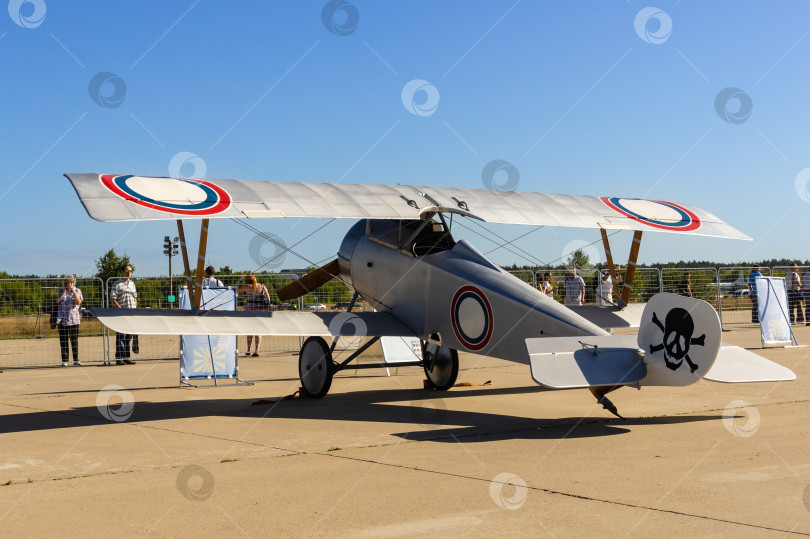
(401, 258)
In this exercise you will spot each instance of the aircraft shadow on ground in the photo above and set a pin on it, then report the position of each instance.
(430, 412)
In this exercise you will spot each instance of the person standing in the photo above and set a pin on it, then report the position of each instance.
(752, 287)
(793, 283)
(604, 288)
(685, 286)
(806, 294)
(257, 298)
(574, 288)
(547, 286)
(68, 319)
(210, 281)
(124, 295)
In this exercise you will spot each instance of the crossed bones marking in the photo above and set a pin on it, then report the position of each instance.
(678, 328)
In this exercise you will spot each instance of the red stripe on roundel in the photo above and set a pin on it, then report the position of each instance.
(694, 223)
(222, 204)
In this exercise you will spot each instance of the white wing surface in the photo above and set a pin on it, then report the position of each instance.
(275, 323)
(118, 197)
(735, 364)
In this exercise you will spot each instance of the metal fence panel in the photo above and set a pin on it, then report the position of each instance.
(26, 338)
(646, 283)
(704, 282)
(154, 292)
(798, 302)
(734, 302)
(527, 276)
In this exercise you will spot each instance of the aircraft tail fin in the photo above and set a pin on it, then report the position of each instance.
(680, 338)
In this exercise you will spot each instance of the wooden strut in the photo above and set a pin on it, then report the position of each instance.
(611, 268)
(200, 264)
(186, 268)
(631, 267)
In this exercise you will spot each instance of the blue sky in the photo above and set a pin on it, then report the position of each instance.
(571, 94)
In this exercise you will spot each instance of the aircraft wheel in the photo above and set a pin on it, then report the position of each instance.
(315, 368)
(441, 366)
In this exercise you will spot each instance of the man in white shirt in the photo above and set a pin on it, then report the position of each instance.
(210, 281)
(604, 288)
(574, 288)
(124, 295)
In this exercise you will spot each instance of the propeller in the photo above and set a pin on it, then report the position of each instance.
(309, 282)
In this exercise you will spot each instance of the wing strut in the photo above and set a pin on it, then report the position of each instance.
(186, 269)
(200, 264)
(611, 268)
(631, 267)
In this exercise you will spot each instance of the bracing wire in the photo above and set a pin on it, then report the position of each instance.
(281, 245)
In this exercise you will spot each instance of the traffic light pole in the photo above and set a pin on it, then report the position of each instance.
(171, 282)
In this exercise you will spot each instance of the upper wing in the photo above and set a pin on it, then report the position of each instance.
(115, 197)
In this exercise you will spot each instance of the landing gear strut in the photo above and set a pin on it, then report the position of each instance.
(316, 366)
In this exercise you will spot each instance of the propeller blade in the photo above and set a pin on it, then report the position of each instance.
(309, 282)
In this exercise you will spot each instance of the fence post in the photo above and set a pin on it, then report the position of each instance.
(660, 281)
(719, 297)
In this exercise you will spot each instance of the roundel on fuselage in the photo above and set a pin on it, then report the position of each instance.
(471, 317)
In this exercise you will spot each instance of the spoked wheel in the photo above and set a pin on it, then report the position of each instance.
(315, 368)
(441, 365)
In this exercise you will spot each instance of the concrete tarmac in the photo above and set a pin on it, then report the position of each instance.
(383, 457)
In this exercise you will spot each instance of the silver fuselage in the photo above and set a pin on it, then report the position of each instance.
(454, 294)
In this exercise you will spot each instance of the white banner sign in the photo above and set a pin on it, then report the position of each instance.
(772, 305)
(207, 356)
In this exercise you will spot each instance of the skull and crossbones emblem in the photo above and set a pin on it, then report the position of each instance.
(678, 328)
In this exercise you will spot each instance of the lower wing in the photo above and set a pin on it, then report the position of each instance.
(275, 323)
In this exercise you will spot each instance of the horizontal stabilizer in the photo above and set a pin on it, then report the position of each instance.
(577, 362)
(610, 317)
(275, 323)
(735, 364)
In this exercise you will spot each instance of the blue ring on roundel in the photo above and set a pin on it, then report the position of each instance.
(686, 219)
(477, 339)
(211, 197)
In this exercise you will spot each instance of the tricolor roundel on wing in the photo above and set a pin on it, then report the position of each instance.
(655, 213)
(182, 196)
(471, 316)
